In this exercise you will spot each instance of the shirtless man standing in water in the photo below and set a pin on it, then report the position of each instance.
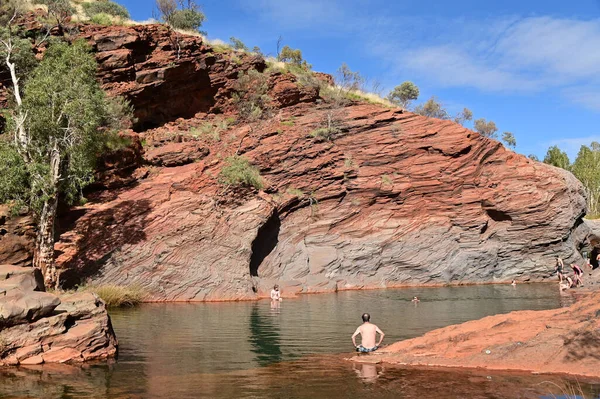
(368, 333)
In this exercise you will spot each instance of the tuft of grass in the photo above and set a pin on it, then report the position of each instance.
(239, 172)
(210, 130)
(117, 296)
(221, 48)
(326, 133)
(295, 191)
(385, 179)
(289, 122)
(348, 162)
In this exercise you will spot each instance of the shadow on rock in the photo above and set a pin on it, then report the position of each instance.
(583, 344)
(97, 234)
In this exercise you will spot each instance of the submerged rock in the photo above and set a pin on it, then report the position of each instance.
(39, 327)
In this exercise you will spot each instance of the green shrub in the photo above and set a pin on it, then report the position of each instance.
(115, 142)
(14, 174)
(102, 19)
(187, 19)
(293, 56)
(289, 122)
(250, 98)
(239, 172)
(105, 7)
(327, 133)
(117, 296)
(237, 44)
(221, 48)
(209, 130)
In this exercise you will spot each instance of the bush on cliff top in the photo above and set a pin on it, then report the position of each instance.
(105, 7)
(239, 172)
(181, 14)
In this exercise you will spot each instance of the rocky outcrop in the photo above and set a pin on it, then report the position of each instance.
(17, 235)
(164, 74)
(395, 199)
(38, 327)
(564, 341)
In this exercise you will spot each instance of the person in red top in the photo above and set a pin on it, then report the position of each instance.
(578, 274)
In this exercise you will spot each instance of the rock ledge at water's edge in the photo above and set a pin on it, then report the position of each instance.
(38, 327)
(561, 341)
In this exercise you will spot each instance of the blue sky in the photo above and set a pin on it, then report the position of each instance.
(531, 66)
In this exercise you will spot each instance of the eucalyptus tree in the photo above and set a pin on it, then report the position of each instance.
(57, 126)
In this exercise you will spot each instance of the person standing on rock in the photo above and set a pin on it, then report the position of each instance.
(577, 275)
(559, 269)
(368, 333)
(275, 294)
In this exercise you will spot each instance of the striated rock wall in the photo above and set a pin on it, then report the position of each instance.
(396, 199)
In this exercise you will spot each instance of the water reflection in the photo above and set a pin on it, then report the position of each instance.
(311, 377)
(368, 372)
(264, 336)
(261, 350)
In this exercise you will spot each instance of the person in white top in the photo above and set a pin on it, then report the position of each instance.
(275, 293)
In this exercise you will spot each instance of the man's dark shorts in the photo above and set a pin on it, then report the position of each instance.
(362, 349)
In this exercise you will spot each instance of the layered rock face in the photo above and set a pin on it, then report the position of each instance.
(38, 327)
(17, 235)
(393, 199)
(396, 199)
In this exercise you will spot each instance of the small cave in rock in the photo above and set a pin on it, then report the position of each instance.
(265, 241)
(498, 216)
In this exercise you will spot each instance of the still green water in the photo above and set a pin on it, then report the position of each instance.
(293, 350)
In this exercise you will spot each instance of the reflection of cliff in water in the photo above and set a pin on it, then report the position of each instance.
(264, 337)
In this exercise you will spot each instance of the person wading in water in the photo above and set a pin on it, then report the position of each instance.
(368, 333)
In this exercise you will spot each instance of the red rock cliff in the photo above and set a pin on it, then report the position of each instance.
(395, 199)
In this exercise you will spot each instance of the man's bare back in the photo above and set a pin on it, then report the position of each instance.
(368, 332)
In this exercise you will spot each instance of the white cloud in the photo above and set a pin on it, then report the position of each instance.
(588, 96)
(531, 54)
(299, 15)
(504, 54)
(566, 48)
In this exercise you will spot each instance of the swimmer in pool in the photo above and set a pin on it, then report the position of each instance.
(275, 293)
(368, 333)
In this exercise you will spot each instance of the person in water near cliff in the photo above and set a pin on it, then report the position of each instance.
(559, 269)
(275, 293)
(368, 333)
(577, 275)
(415, 299)
(514, 282)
